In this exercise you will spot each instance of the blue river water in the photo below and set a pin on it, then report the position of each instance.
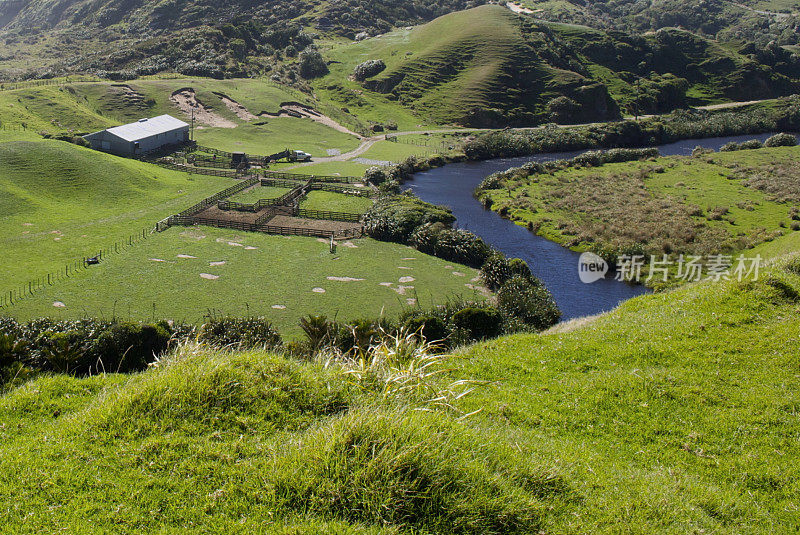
(557, 266)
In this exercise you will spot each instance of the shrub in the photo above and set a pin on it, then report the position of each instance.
(368, 69)
(781, 140)
(730, 147)
(432, 327)
(130, 347)
(496, 271)
(519, 267)
(451, 244)
(311, 64)
(239, 332)
(395, 218)
(751, 144)
(480, 323)
(375, 175)
(529, 301)
(318, 330)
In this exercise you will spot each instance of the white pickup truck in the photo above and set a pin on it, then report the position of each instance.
(299, 156)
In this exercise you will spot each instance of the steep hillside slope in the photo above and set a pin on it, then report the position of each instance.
(760, 21)
(195, 37)
(489, 67)
(480, 67)
(675, 413)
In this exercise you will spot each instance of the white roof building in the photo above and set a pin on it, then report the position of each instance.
(143, 136)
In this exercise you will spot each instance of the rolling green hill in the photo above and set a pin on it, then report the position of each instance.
(480, 67)
(489, 67)
(675, 413)
(61, 202)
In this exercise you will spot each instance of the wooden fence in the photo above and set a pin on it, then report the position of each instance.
(331, 216)
(272, 229)
(313, 178)
(11, 297)
(201, 171)
(341, 189)
(185, 216)
(280, 183)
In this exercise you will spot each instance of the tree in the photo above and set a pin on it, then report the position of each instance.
(311, 64)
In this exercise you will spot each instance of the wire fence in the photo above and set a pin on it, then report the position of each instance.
(433, 146)
(202, 171)
(274, 229)
(13, 296)
(14, 127)
(11, 86)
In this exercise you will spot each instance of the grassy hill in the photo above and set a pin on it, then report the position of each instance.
(675, 413)
(61, 202)
(488, 66)
(760, 21)
(480, 67)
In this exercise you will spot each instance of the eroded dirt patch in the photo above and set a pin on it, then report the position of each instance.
(295, 109)
(186, 100)
(240, 111)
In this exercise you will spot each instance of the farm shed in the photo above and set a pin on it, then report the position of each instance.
(141, 137)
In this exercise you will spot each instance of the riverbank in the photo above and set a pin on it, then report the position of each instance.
(702, 205)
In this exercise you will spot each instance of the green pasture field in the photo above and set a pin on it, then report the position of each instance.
(257, 193)
(276, 135)
(675, 413)
(259, 272)
(61, 202)
(335, 202)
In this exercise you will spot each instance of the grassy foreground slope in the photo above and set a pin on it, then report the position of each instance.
(60, 202)
(676, 413)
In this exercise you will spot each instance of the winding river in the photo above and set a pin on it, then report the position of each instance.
(556, 266)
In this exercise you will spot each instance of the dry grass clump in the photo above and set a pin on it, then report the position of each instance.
(779, 181)
(616, 210)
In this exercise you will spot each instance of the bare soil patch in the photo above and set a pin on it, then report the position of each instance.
(187, 101)
(240, 111)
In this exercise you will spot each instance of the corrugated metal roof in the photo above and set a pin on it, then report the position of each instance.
(147, 127)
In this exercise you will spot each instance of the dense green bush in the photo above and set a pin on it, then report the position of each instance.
(130, 347)
(529, 301)
(311, 64)
(480, 323)
(496, 271)
(587, 159)
(455, 245)
(396, 217)
(431, 326)
(83, 347)
(681, 124)
(239, 332)
(781, 140)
